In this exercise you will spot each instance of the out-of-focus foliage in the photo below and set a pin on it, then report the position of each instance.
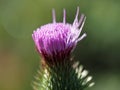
(99, 52)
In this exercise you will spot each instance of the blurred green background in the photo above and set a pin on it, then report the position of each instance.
(99, 52)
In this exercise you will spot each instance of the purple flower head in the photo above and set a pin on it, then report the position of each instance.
(55, 41)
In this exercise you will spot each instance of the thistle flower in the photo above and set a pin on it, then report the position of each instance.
(55, 41)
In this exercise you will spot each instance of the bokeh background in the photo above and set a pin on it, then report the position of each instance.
(99, 52)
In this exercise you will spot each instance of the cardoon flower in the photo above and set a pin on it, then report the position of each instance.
(55, 41)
